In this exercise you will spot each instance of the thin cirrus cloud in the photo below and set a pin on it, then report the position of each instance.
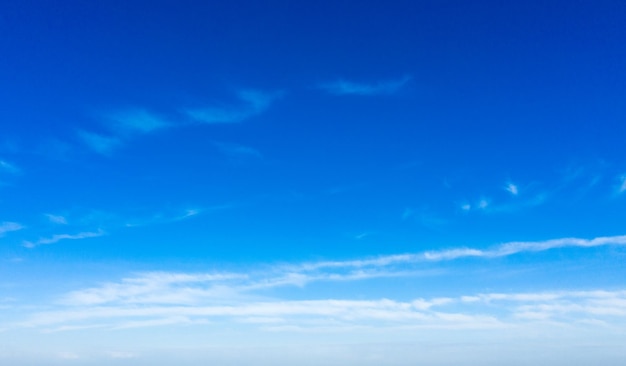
(127, 124)
(58, 237)
(191, 288)
(56, 219)
(137, 121)
(512, 189)
(102, 144)
(501, 250)
(7, 227)
(622, 187)
(175, 216)
(7, 167)
(251, 103)
(167, 298)
(158, 298)
(343, 87)
(123, 125)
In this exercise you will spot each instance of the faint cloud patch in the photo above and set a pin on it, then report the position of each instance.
(466, 207)
(68, 356)
(251, 103)
(7, 167)
(7, 227)
(122, 355)
(56, 219)
(343, 87)
(100, 143)
(137, 121)
(622, 187)
(237, 151)
(512, 189)
(425, 217)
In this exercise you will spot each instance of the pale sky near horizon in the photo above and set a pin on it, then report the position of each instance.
(436, 182)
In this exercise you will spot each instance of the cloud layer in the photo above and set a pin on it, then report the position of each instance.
(165, 298)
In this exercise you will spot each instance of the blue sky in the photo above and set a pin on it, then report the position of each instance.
(413, 182)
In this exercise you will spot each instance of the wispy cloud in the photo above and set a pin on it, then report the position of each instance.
(150, 301)
(7, 167)
(488, 206)
(501, 250)
(7, 227)
(237, 150)
(168, 287)
(425, 217)
(171, 216)
(100, 143)
(56, 219)
(622, 187)
(252, 103)
(343, 87)
(58, 237)
(483, 203)
(137, 121)
(512, 189)
(122, 125)
(167, 298)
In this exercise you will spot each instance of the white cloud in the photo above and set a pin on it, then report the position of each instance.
(7, 227)
(251, 104)
(195, 288)
(58, 237)
(154, 299)
(157, 287)
(342, 87)
(512, 189)
(56, 219)
(483, 204)
(501, 250)
(477, 311)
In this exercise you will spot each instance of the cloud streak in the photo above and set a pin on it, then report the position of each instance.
(153, 299)
(56, 219)
(343, 87)
(252, 103)
(191, 288)
(101, 144)
(476, 311)
(502, 250)
(8, 167)
(7, 227)
(127, 124)
(137, 121)
(58, 237)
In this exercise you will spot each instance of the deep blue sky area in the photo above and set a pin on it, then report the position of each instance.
(343, 178)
